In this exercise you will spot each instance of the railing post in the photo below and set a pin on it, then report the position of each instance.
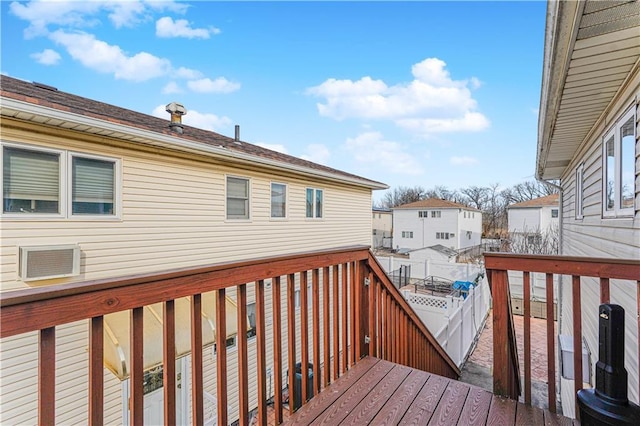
(502, 370)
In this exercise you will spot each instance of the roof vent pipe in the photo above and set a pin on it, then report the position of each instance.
(237, 138)
(177, 111)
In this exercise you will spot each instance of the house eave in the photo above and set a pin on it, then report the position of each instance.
(29, 112)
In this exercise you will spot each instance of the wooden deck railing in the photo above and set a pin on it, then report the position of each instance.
(506, 376)
(362, 313)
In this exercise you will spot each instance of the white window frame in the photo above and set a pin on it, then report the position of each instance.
(614, 131)
(436, 214)
(579, 195)
(226, 198)
(116, 186)
(556, 212)
(286, 201)
(65, 198)
(314, 212)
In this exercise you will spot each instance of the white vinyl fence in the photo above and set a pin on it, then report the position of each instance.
(454, 321)
(425, 268)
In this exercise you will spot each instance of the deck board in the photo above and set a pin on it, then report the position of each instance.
(383, 393)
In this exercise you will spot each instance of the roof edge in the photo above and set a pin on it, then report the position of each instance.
(181, 144)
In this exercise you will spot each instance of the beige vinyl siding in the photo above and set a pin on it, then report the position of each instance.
(173, 216)
(595, 236)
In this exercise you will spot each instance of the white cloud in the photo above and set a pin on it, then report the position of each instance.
(317, 153)
(47, 57)
(219, 85)
(372, 149)
(188, 73)
(83, 14)
(274, 147)
(197, 119)
(463, 161)
(432, 102)
(105, 58)
(171, 88)
(166, 27)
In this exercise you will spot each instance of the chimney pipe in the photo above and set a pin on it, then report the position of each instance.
(177, 111)
(237, 139)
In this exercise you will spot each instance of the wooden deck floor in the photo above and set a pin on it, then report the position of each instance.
(383, 393)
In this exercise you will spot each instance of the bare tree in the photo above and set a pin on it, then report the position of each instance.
(475, 196)
(535, 241)
(528, 190)
(402, 195)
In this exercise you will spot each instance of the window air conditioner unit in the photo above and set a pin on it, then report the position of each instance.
(46, 262)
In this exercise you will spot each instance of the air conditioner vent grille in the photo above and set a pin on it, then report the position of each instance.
(39, 263)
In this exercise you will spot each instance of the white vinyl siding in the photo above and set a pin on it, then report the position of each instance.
(579, 192)
(173, 216)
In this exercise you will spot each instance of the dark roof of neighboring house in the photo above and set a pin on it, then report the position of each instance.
(381, 210)
(548, 200)
(47, 96)
(434, 203)
(440, 249)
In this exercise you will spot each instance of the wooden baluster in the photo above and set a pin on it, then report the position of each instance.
(277, 348)
(221, 356)
(96, 371)
(315, 287)
(291, 336)
(526, 285)
(638, 330)
(47, 377)
(261, 352)
(353, 311)
(241, 338)
(577, 336)
(137, 367)
(169, 361)
(304, 334)
(345, 319)
(389, 322)
(551, 353)
(336, 323)
(372, 315)
(197, 386)
(604, 291)
(326, 317)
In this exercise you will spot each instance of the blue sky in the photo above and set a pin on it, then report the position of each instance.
(407, 93)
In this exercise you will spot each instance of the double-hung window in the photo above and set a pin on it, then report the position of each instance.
(237, 198)
(436, 213)
(59, 183)
(619, 155)
(315, 203)
(278, 200)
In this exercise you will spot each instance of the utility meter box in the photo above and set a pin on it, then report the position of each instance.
(566, 351)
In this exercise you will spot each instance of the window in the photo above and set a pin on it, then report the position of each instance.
(297, 299)
(436, 213)
(38, 181)
(579, 197)
(407, 234)
(237, 198)
(278, 200)
(534, 239)
(251, 316)
(619, 168)
(314, 203)
(443, 235)
(230, 344)
(423, 214)
(554, 213)
(465, 214)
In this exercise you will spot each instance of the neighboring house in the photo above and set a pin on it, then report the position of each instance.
(534, 221)
(92, 191)
(588, 139)
(382, 225)
(433, 221)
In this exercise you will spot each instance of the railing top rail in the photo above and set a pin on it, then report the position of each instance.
(626, 269)
(37, 308)
(400, 300)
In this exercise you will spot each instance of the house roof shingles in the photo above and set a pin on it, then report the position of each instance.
(546, 201)
(435, 203)
(50, 97)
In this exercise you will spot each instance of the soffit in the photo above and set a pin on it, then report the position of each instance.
(595, 48)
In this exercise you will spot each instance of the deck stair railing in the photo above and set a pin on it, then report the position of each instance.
(596, 272)
(355, 311)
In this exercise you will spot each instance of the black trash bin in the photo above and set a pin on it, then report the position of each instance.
(297, 385)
